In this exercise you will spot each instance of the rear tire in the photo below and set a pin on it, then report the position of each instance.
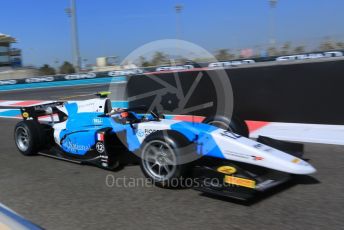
(166, 158)
(29, 137)
(235, 124)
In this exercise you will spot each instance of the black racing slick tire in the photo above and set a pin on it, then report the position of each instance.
(234, 124)
(166, 158)
(29, 137)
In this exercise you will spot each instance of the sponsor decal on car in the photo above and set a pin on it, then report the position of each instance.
(100, 136)
(263, 147)
(97, 121)
(100, 147)
(257, 158)
(75, 147)
(240, 181)
(145, 132)
(140, 133)
(226, 169)
(235, 154)
(296, 160)
(244, 156)
(258, 146)
(230, 134)
(149, 131)
(25, 115)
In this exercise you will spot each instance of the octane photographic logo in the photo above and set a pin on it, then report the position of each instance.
(177, 88)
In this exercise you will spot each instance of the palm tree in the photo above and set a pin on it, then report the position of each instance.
(299, 49)
(159, 58)
(47, 70)
(286, 48)
(327, 45)
(67, 68)
(223, 55)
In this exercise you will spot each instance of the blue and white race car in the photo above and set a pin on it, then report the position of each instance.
(219, 161)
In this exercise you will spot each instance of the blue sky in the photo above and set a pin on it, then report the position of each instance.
(114, 27)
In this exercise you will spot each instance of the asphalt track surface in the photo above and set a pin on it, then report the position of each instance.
(62, 195)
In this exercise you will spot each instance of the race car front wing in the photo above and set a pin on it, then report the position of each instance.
(241, 185)
(242, 181)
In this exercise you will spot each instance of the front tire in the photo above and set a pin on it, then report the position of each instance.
(234, 124)
(29, 137)
(166, 158)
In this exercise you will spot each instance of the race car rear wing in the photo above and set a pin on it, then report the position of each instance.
(36, 111)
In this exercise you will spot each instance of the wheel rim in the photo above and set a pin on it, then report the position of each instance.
(22, 139)
(159, 160)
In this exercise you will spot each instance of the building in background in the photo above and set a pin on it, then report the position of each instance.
(9, 57)
(15, 57)
(110, 64)
(11, 61)
(5, 44)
